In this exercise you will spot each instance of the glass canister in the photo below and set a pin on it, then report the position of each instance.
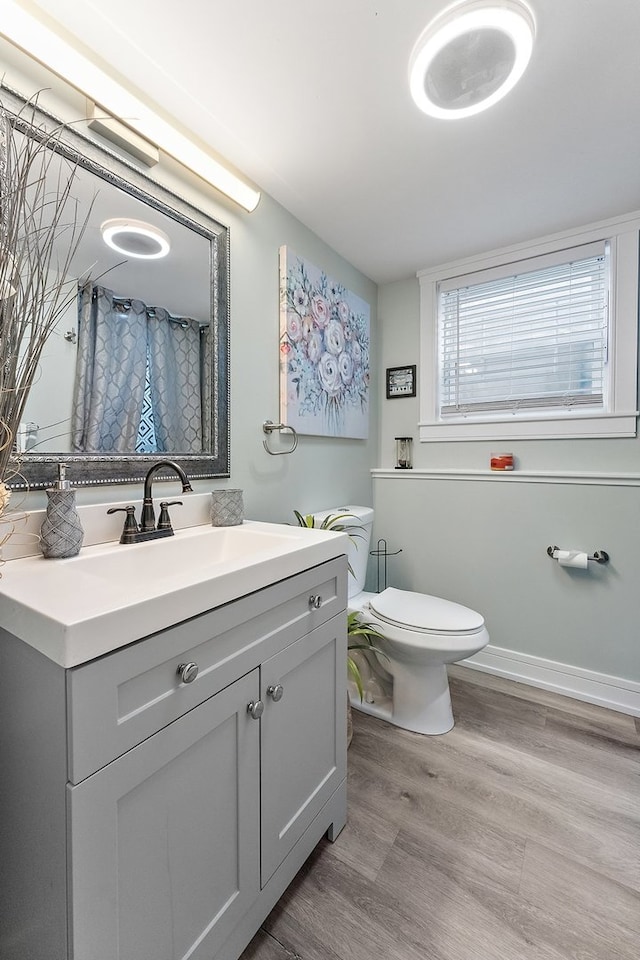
(404, 453)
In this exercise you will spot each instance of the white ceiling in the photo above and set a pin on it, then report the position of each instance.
(309, 99)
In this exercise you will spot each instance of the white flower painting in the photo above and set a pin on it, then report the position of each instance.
(324, 352)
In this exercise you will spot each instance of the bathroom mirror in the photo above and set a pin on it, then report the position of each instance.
(183, 300)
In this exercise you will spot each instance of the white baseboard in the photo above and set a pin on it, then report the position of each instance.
(615, 693)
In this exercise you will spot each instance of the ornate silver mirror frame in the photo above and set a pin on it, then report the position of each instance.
(38, 470)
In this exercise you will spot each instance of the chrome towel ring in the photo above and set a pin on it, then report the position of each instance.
(268, 427)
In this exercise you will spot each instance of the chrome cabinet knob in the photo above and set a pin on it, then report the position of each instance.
(315, 601)
(255, 709)
(187, 672)
(275, 691)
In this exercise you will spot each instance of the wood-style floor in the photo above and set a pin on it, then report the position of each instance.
(516, 835)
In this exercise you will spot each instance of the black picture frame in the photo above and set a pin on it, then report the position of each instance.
(401, 382)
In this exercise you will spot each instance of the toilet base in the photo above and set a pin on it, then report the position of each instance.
(422, 704)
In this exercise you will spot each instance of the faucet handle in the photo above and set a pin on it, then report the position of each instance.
(164, 523)
(130, 528)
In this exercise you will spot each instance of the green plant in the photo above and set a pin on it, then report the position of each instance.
(333, 521)
(364, 634)
(356, 628)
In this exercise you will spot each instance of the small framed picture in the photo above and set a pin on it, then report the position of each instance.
(401, 382)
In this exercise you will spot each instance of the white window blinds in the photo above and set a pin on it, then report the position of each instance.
(532, 340)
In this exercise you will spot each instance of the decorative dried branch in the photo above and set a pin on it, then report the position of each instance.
(39, 235)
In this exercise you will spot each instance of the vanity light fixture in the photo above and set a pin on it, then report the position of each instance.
(123, 136)
(470, 56)
(64, 58)
(135, 238)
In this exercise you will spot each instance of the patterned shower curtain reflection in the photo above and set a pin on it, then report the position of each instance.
(207, 344)
(174, 375)
(120, 342)
(110, 372)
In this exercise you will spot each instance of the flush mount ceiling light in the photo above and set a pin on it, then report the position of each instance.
(135, 238)
(470, 56)
(64, 58)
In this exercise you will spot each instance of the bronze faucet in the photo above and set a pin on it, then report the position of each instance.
(132, 533)
(148, 519)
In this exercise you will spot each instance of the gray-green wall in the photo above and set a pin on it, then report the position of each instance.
(482, 541)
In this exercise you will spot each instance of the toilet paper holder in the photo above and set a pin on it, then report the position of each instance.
(598, 556)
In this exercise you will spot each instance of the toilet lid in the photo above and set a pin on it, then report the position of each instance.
(419, 611)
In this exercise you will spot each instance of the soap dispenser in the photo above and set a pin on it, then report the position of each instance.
(61, 534)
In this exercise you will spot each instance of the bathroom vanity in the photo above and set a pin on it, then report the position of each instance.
(161, 787)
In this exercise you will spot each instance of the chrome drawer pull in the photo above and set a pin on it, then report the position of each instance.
(315, 601)
(275, 691)
(187, 672)
(255, 709)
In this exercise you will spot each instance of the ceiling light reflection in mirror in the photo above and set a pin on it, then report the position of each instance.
(135, 238)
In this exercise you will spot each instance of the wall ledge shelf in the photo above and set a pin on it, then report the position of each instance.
(511, 476)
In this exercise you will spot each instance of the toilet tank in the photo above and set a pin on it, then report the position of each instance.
(361, 519)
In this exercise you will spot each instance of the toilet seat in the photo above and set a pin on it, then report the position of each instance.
(424, 614)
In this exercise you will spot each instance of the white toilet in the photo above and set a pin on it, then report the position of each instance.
(407, 682)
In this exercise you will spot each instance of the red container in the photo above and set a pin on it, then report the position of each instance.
(502, 461)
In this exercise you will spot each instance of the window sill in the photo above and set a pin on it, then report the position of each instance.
(567, 427)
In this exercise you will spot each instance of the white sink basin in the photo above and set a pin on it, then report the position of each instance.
(109, 595)
(190, 553)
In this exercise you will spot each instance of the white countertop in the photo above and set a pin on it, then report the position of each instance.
(111, 594)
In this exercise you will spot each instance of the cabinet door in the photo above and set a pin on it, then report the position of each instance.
(164, 840)
(304, 736)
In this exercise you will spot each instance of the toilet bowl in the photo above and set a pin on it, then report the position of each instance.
(405, 680)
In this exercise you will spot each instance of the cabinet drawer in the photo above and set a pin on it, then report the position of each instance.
(121, 699)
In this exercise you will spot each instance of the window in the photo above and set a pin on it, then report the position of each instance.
(538, 346)
(536, 339)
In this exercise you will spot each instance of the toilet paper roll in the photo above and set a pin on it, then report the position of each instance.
(572, 558)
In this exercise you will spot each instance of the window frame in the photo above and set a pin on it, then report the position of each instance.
(620, 419)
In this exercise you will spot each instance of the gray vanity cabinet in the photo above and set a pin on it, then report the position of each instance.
(303, 737)
(164, 839)
(165, 816)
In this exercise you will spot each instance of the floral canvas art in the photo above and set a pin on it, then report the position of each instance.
(324, 352)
